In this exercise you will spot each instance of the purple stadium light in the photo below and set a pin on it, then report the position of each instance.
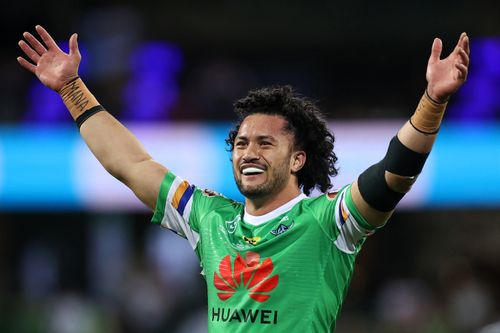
(478, 99)
(153, 89)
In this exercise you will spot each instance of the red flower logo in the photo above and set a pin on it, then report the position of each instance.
(247, 274)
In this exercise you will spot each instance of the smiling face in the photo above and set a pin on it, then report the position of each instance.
(263, 156)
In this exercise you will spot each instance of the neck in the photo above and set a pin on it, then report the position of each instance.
(265, 204)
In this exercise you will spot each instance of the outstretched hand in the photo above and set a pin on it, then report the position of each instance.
(51, 65)
(445, 76)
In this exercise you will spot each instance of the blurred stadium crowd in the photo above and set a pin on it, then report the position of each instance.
(78, 271)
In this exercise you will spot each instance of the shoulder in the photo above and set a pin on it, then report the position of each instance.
(324, 198)
(212, 196)
(324, 205)
(209, 200)
(321, 204)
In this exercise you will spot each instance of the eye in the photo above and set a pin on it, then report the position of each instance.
(239, 143)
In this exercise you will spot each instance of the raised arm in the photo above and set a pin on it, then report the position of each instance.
(116, 148)
(380, 187)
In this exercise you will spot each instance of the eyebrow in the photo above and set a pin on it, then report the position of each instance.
(260, 137)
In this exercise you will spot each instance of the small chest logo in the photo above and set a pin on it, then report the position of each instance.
(231, 225)
(248, 275)
(281, 229)
(252, 240)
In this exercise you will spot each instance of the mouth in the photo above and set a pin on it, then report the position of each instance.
(252, 170)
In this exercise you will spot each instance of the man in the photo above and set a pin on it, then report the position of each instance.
(280, 262)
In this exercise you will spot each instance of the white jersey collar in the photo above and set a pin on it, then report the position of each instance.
(258, 220)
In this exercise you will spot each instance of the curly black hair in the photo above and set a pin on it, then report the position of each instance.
(305, 122)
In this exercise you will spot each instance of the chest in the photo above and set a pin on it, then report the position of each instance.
(289, 244)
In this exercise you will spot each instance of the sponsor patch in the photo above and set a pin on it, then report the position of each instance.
(249, 275)
(261, 316)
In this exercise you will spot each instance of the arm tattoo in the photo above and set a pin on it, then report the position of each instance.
(73, 93)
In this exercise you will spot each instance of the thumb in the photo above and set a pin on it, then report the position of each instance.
(73, 46)
(437, 47)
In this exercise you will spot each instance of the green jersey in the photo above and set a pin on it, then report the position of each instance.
(285, 271)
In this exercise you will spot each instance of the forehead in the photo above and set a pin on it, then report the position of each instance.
(260, 124)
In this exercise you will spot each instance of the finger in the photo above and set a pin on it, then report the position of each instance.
(26, 64)
(466, 44)
(437, 47)
(461, 38)
(463, 42)
(73, 46)
(464, 56)
(462, 71)
(47, 39)
(35, 44)
(29, 51)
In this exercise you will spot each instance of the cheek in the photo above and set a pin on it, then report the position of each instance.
(281, 158)
(235, 157)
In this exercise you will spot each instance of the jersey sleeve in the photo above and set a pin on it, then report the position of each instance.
(343, 223)
(352, 228)
(173, 208)
(181, 207)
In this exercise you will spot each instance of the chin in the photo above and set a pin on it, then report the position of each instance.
(253, 192)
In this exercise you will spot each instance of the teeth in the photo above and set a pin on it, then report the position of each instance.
(249, 170)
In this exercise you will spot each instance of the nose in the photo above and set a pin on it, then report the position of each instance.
(251, 153)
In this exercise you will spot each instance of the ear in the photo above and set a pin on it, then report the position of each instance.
(298, 160)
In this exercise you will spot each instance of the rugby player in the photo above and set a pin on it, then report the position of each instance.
(281, 261)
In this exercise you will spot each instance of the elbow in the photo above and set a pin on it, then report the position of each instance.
(115, 169)
(401, 184)
(122, 169)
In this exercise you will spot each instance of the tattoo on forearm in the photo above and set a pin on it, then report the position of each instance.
(73, 93)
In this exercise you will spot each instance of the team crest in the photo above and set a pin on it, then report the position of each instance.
(281, 229)
(231, 225)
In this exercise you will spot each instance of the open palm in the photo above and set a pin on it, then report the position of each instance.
(53, 67)
(445, 76)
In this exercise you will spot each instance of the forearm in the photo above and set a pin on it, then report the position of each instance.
(415, 140)
(418, 134)
(114, 146)
(380, 187)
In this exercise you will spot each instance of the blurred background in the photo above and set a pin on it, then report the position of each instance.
(77, 251)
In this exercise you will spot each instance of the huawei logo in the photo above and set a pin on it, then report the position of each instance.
(247, 275)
